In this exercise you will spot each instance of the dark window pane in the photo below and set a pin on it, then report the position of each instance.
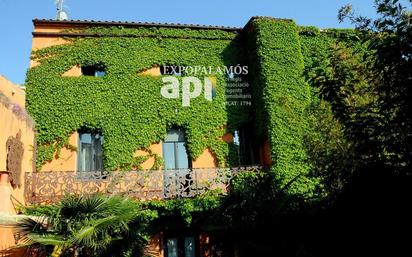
(88, 70)
(95, 71)
(172, 247)
(189, 247)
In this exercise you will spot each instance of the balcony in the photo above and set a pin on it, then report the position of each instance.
(50, 187)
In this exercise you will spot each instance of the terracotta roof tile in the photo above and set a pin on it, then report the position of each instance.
(132, 24)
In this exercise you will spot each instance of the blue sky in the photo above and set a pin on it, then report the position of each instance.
(16, 18)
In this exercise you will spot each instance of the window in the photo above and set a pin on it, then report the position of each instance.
(247, 148)
(90, 152)
(189, 247)
(92, 70)
(180, 247)
(236, 139)
(177, 177)
(174, 151)
(172, 250)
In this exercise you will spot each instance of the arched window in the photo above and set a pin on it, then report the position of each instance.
(175, 154)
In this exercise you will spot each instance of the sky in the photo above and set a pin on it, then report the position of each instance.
(16, 18)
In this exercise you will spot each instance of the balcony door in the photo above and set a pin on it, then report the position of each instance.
(175, 154)
(180, 247)
(177, 164)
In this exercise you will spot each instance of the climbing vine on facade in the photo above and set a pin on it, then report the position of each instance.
(124, 106)
(128, 109)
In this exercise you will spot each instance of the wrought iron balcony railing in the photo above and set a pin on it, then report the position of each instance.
(49, 187)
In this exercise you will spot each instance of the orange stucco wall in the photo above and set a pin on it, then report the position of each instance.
(10, 128)
(156, 148)
(14, 119)
(39, 42)
(75, 71)
(228, 137)
(154, 71)
(43, 42)
(52, 28)
(11, 91)
(206, 160)
(155, 246)
(14, 122)
(67, 160)
(265, 155)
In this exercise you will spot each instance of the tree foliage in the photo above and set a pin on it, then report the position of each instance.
(389, 74)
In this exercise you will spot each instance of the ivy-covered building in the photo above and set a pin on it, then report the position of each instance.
(189, 103)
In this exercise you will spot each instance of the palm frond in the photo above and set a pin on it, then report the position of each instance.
(47, 239)
(27, 226)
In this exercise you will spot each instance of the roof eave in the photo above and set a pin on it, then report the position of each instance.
(37, 22)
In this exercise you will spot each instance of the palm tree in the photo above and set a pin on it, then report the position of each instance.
(95, 225)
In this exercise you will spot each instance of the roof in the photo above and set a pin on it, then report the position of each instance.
(82, 23)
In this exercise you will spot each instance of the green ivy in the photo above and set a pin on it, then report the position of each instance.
(126, 107)
(129, 110)
(285, 97)
(283, 57)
